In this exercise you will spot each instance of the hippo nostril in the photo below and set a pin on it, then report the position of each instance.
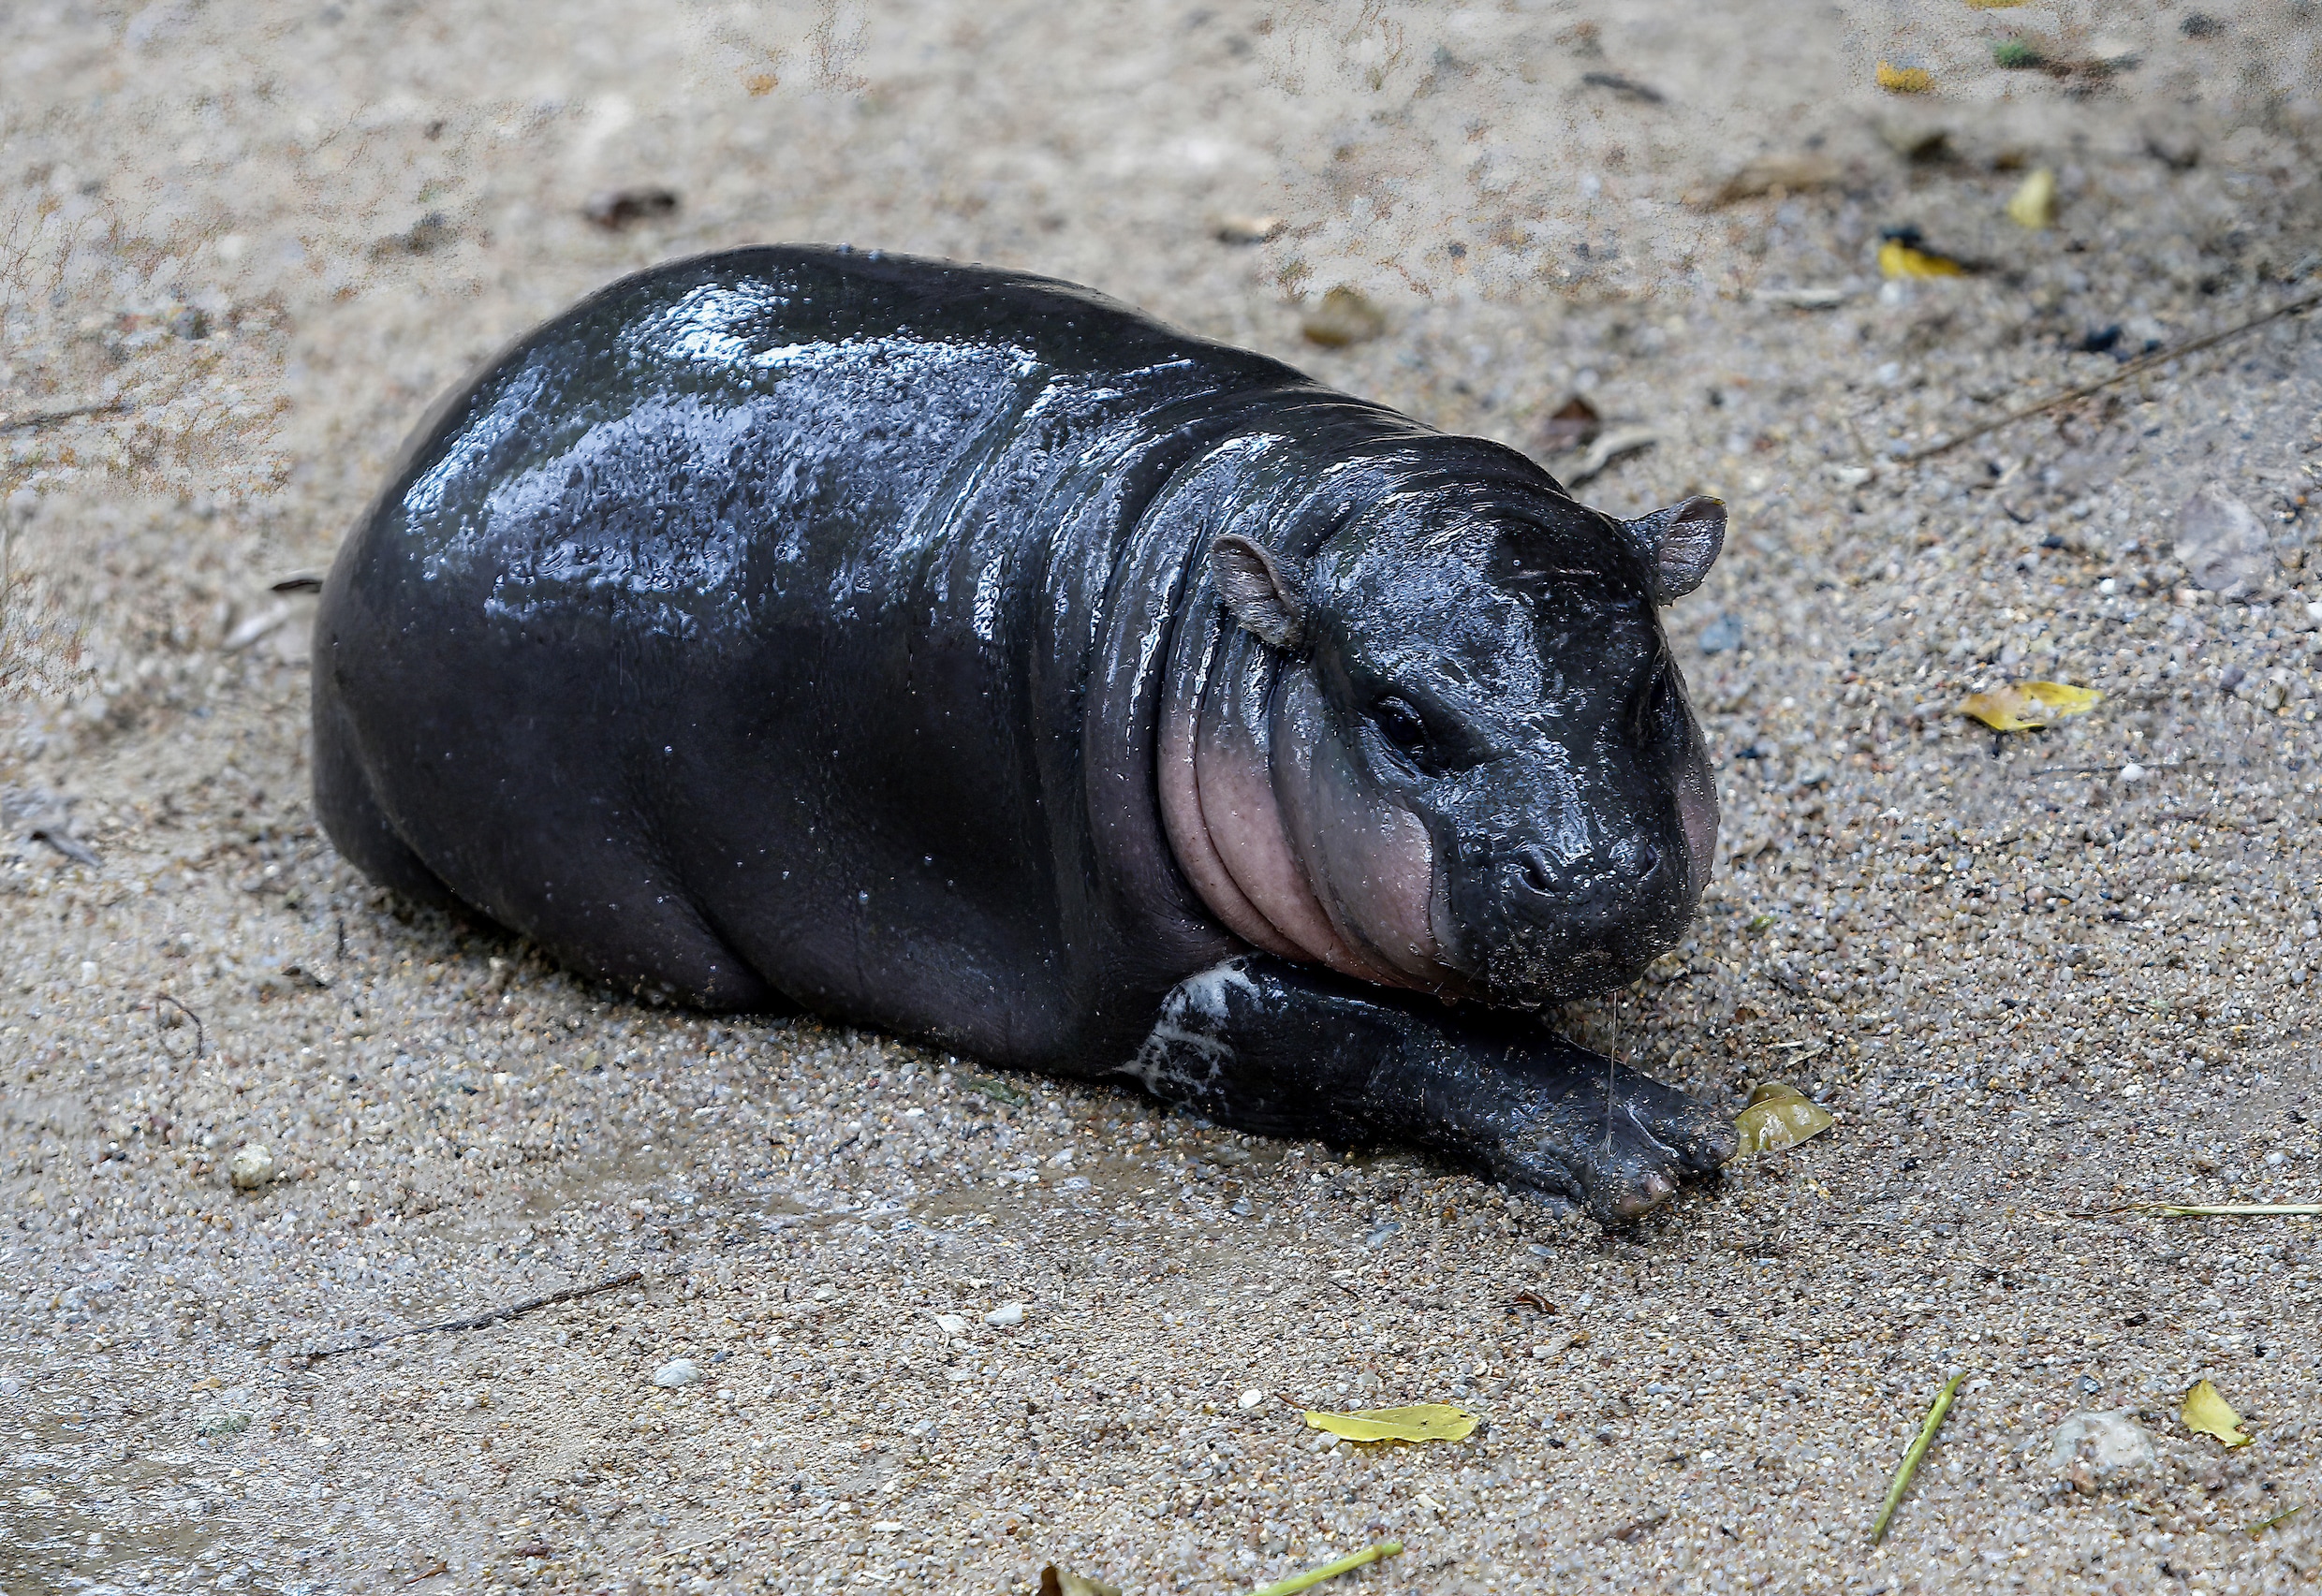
(1534, 871)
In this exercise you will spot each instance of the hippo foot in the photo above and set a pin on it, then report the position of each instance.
(1584, 1128)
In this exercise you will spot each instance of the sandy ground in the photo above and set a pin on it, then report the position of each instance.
(2036, 977)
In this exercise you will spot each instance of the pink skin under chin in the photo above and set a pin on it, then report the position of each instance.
(1242, 815)
(1188, 831)
(1374, 862)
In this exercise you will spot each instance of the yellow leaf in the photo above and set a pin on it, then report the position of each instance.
(1057, 1581)
(1905, 79)
(1430, 1421)
(2206, 1413)
(2030, 705)
(2034, 204)
(1778, 1117)
(1898, 258)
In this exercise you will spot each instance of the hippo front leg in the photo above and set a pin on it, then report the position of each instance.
(1263, 1045)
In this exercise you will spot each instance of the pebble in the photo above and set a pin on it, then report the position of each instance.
(1723, 635)
(250, 1167)
(1249, 1399)
(2105, 1446)
(951, 1323)
(1005, 1315)
(2223, 543)
(676, 1372)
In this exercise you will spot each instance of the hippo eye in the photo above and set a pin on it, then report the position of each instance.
(1401, 725)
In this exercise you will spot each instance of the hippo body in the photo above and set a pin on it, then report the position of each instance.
(963, 653)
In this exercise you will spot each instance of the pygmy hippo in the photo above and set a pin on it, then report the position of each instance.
(966, 654)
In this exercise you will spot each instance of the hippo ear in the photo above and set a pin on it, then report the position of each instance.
(1682, 542)
(1267, 599)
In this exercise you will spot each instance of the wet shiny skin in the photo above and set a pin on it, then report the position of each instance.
(801, 627)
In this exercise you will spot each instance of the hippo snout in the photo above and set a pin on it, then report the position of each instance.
(1543, 927)
(1538, 880)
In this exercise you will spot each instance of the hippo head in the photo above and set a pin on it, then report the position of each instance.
(1486, 777)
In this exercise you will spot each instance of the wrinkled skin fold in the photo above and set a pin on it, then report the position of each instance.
(962, 654)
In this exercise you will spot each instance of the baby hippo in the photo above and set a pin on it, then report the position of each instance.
(964, 653)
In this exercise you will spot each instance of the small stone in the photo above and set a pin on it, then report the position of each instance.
(676, 1372)
(1722, 634)
(1249, 1399)
(251, 1167)
(2132, 772)
(2093, 1449)
(1006, 1316)
(2222, 544)
(951, 1323)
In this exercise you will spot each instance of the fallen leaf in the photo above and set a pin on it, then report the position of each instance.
(2030, 705)
(1905, 79)
(614, 209)
(1057, 1581)
(1532, 1299)
(1644, 1523)
(1778, 1115)
(1574, 427)
(2034, 204)
(1235, 227)
(1429, 1421)
(1900, 258)
(2207, 1413)
(1345, 316)
(1774, 174)
(1315, 1576)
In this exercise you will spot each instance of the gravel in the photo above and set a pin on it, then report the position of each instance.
(2038, 978)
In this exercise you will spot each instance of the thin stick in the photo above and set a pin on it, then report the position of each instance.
(160, 998)
(477, 1322)
(36, 418)
(1910, 1458)
(2138, 367)
(1315, 1576)
(2223, 1211)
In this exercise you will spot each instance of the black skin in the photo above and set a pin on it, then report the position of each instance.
(787, 629)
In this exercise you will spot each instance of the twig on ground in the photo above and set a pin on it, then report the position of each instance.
(1911, 1458)
(2212, 1211)
(1315, 1576)
(36, 418)
(2138, 367)
(482, 1320)
(160, 998)
(429, 1572)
